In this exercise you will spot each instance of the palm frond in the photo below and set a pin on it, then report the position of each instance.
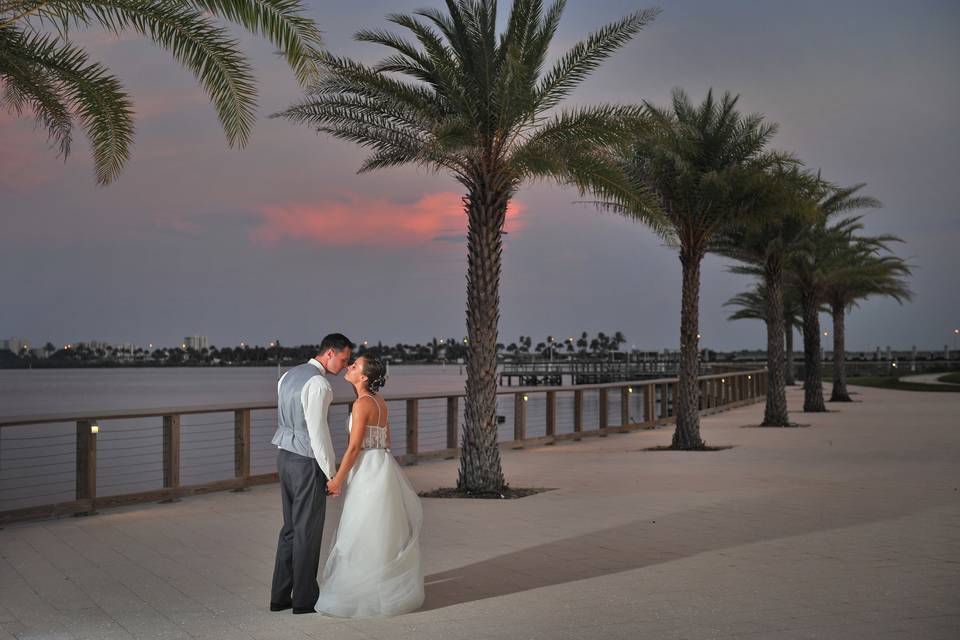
(98, 99)
(586, 56)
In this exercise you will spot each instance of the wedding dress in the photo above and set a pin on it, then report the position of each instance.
(373, 569)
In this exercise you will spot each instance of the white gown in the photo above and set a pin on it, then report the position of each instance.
(373, 569)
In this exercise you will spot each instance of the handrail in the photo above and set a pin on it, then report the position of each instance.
(717, 392)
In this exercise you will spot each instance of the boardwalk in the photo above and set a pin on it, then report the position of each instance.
(849, 528)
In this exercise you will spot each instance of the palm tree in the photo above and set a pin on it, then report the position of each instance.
(792, 317)
(764, 245)
(461, 100)
(56, 80)
(752, 305)
(705, 164)
(811, 271)
(861, 272)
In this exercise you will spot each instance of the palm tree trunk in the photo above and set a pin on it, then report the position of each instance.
(839, 393)
(790, 377)
(812, 379)
(775, 413)
(687, 434)
(480, 469)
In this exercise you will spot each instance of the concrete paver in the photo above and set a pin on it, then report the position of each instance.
(848, 528)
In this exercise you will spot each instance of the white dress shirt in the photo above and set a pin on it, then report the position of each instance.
(316, 397)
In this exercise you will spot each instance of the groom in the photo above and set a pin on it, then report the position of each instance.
(305, 462)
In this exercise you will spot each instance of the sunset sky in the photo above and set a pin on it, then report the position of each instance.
(284, 239)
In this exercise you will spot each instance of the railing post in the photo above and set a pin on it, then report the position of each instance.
(241, 444)
(625, 393)
(650, 404)
(603, 419)
(551, 428)
(413, 421)
(453, 419)
(171, 454)
(519, 419)
(87, 465)
(577, 413)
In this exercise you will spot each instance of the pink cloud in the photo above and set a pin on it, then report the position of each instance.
(365, 220)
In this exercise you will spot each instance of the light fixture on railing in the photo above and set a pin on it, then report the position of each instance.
(94, 428)
(525, 397)
(629, 389)
(723, 380)
(749, 377)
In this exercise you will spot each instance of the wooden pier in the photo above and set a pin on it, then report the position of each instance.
(535, 374)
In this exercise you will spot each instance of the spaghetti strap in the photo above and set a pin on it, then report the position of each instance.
(377, 404)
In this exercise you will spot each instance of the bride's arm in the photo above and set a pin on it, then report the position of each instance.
(358, 417)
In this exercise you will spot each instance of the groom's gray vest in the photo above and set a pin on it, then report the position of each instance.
(292, 434)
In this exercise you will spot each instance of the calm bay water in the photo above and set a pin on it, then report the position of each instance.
(43, 391)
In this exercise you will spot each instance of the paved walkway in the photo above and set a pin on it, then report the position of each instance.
(849, 528)
(926, 378)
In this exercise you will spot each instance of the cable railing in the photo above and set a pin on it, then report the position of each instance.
(74, 464)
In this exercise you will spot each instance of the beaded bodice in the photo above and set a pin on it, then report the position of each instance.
(374, 436)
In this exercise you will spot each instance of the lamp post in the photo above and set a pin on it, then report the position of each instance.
(956, 332)
(276, 343)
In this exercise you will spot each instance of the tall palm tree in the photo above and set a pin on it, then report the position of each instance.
(706, 164)
(459, 99)
(752, 305)
(861, 271)
(764, 245)
(792, 317)
(46, 74)
(811, 268)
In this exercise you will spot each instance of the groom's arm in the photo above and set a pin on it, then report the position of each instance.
(317, 396)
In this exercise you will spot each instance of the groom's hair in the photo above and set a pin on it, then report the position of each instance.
(337, 342)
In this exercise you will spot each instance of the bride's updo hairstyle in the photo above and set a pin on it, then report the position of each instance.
(376, 373)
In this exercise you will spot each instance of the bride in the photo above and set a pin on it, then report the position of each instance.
(373, 569)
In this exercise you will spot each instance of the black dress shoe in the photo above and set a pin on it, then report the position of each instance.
(280, 607)
(299, 611)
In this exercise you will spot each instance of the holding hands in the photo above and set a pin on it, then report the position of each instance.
(334, 487)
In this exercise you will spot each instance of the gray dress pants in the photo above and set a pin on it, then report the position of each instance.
(303, 491)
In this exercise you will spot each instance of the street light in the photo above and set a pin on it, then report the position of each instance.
(276, 343)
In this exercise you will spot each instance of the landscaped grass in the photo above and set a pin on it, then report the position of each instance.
(953, 378)
(891, 382)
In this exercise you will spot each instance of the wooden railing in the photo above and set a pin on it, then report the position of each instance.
(653, 400)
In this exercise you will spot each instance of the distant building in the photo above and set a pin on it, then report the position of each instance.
(15, 344)
(196, 342)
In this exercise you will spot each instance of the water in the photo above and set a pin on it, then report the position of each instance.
(45, 391)
(37, 462)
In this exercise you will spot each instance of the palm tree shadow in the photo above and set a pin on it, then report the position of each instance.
(647, 542)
